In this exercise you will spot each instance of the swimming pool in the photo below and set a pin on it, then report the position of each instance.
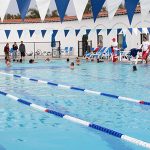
(25, 128)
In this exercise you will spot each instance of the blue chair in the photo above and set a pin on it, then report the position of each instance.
(65, 51)
(71, 51)
(99, 53)
(87, 54)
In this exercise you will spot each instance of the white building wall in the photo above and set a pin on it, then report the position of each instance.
(71, 40)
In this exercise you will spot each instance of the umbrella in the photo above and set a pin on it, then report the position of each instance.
(124, 43)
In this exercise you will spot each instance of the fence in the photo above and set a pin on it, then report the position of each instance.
(36, 49)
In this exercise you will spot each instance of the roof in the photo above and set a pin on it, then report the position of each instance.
(68, 18)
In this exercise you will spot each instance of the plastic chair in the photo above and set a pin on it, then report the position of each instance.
(71, 51)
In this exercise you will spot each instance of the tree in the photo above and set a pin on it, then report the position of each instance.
(11, 16)
(54, 13)
(121, 6)
(88, 8)
(33, 13)
(104, 9)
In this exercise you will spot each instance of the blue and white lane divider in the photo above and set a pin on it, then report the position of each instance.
(79, 121)
(80, 89)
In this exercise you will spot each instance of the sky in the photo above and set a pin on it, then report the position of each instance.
(13, 8)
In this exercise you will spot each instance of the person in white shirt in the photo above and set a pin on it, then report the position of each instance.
(114, 43)
(145, 49)
(145, 46)
(114, 47)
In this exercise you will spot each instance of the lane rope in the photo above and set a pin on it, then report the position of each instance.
(79, 121)
(142, 102)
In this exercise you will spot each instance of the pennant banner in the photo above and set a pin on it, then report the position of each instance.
(140, 29)
(118, 31)
(43, 33)
(108, 31)
(62, 7)
(77, 31)
(55, 32)
(96, 7)
(66, 32)
(131, 6)
(148, 30)
(7, 32)
(23, 6)
(88, 31)
(124, 43)
(31, 32)
(43, 6)
(130, 30)
(112, 6)
(80, 7)
(20, 33)
(98, 31)
(3, 8)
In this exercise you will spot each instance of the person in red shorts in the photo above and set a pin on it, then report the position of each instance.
(114, 46)
(145, 49)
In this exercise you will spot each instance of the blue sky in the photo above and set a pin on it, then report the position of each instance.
(13, 8)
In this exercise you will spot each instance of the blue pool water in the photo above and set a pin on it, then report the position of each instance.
(26, 129)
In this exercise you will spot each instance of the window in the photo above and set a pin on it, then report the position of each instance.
(144, 35)
(120, 39)
(100, 40)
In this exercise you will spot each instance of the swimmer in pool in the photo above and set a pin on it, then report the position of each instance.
(31, 61)
(47, 59)
(77, 61)
(72, 65)
(7, 61)
(87, 59)
(67, 60)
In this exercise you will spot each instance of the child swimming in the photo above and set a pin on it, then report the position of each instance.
(72, 65)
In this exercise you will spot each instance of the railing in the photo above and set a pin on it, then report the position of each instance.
(36, 49)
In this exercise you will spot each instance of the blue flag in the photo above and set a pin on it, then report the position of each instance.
(55, 32)
(96, 7)
(53, 41)
(43, 33)
(77, 31)
(31, 32)
(148, 30)
(88, 31)
(108, 31)
(23, 6)
(7, 32)
(140, 29)
(66, 32)
(131, 6)
(20, 33)
(62, 7)
(118, 31)
(130, 30)
(124, 42)
(98, 31)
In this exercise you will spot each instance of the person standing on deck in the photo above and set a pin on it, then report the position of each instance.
(114, 46)
(15, 48)
(145, 49)
(22, 50)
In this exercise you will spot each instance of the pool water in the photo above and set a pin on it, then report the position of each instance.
(23, 128)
